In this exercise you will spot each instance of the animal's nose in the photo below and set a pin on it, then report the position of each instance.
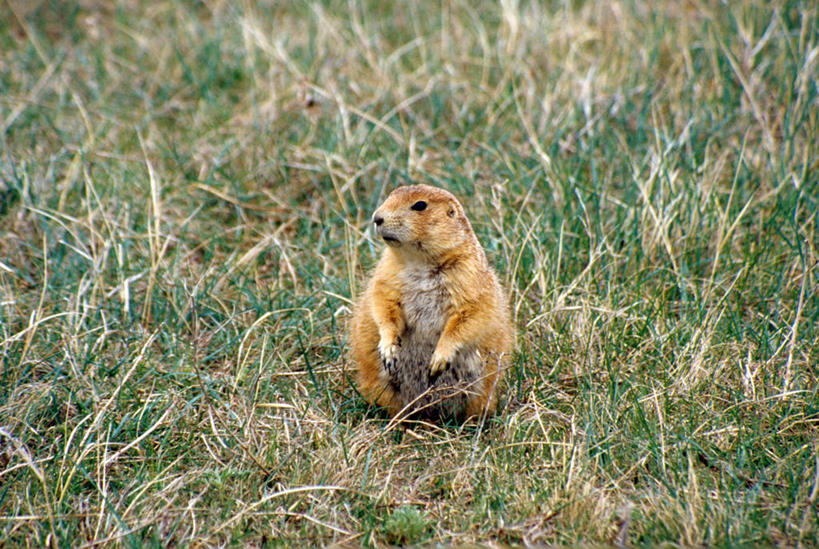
(378, 220)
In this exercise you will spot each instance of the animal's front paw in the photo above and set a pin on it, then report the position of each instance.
(389, 354)
(438, 364)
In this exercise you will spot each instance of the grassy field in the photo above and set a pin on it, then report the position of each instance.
(184, 196)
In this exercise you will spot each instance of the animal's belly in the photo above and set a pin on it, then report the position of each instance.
(445, 395)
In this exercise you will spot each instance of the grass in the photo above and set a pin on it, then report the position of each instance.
(184, 196)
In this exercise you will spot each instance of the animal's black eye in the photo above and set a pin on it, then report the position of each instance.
(419, 206)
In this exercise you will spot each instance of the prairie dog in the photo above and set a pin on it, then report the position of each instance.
(432, 332)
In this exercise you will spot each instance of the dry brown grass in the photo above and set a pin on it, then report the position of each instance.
(184, 196)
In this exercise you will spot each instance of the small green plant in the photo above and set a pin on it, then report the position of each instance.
(406, 525)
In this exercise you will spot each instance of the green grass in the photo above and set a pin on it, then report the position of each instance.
(184, 196)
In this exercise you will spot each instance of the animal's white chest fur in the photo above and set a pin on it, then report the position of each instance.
(425, 301)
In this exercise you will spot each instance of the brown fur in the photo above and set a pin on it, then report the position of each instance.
(431, 333)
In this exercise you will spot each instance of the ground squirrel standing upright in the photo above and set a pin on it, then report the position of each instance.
(432, 332)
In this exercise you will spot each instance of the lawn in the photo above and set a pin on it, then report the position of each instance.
(185, 189)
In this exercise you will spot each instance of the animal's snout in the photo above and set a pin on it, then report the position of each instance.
(378, 219)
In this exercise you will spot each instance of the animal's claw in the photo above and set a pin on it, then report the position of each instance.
(389, 354)
(437, 365)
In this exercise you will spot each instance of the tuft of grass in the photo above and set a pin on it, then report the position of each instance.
(406, 526)
(185, 191)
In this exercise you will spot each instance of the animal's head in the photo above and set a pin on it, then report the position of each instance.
(422, 219)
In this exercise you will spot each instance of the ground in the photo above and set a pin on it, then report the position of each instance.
(185, 190)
